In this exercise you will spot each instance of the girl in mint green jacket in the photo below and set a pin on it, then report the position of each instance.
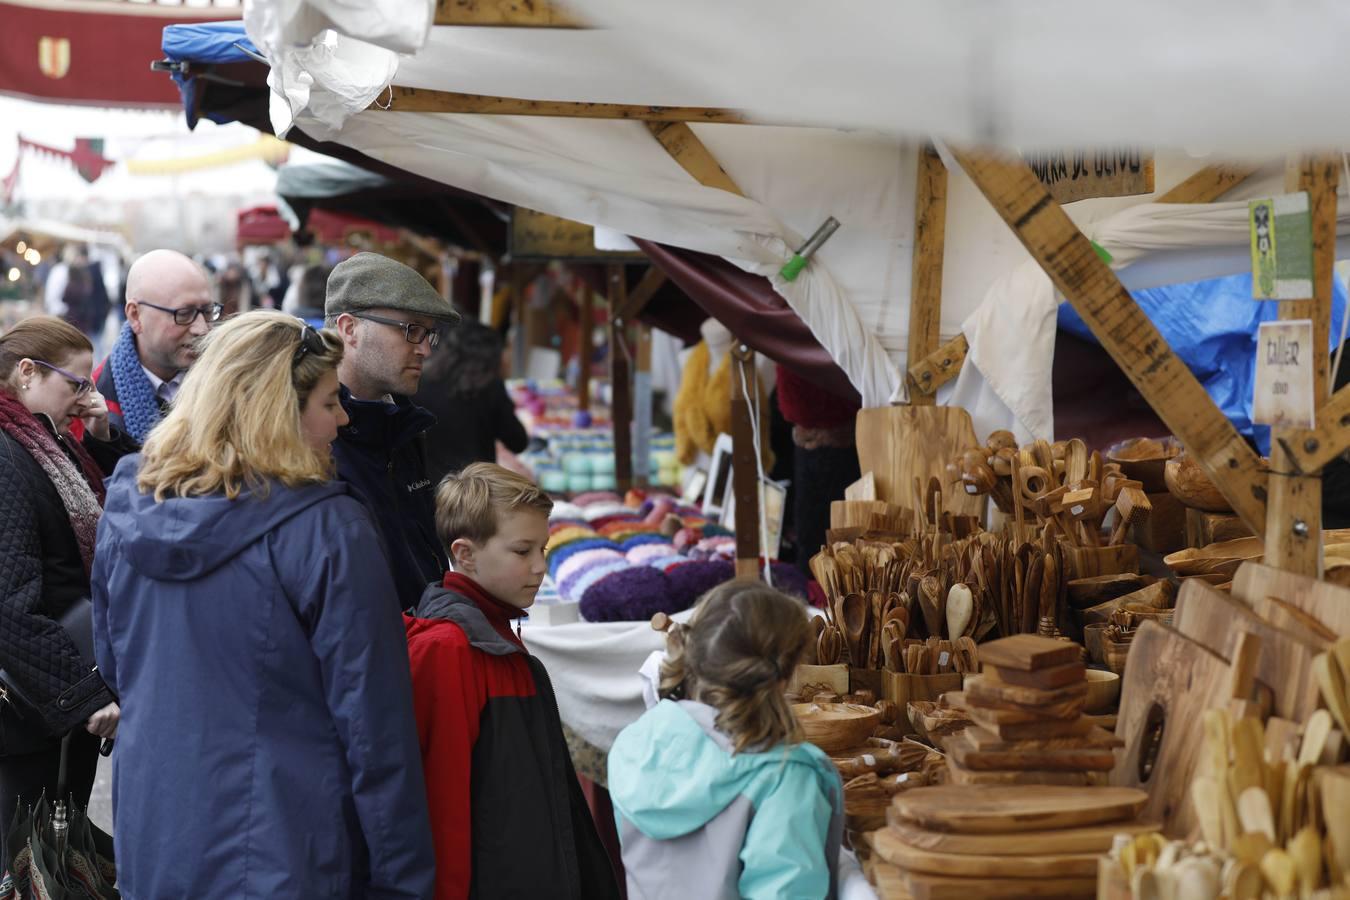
(714, 793)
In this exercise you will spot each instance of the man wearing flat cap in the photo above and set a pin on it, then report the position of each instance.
(388, 316)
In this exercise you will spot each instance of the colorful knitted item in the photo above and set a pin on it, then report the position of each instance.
(562, 554)
(579, 584)
(647, 554)
(140, 409)
(634, 593)
(579, 562)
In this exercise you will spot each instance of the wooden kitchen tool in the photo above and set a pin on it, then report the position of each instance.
(1028, 652)
(981, 690)
(960, 607)
(853, 620)
(1043, 679)
(921, 886)
(1170, 682)
(1326, 602)
(892, 848)
(1089, 839)
(1001, 810)
(1028, 757)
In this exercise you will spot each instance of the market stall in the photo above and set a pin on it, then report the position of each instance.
(949, 679)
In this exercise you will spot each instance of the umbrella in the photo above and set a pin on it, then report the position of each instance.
(57, 853)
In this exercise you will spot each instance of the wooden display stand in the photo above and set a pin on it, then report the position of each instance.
(901, 687)
(1085, 562)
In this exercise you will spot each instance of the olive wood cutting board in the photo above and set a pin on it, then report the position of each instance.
(890, 847)
(898, 444)
(1068, 759)
(1011, 715)
(981, 690)
(1004, 810)
(1035, 729)
(1089, 839)
(985, 778)
(920, 886)
(1042, 679)
(1215, 619)
(1324, 601)
(1096, 738)
(1169, 683)
(1029, 652)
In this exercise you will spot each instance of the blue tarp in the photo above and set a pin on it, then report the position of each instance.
(205, 43)
(1211, 326)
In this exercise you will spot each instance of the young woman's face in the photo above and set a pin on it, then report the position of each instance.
(510, 565)
(43, 390)
(322, 414)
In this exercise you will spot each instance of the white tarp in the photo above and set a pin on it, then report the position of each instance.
(855, 296)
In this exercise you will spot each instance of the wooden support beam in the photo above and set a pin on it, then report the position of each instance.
(520, 345)
(1294, 521)
(687, 150)
(406, 99)
(505, 14)
(585, 347)
(1208, 185)
(642, 293)
(642, 409)
(1123, 330)
(744, 465)
(1311, 450)
(620, 380)
(925, 292)
(938, 367)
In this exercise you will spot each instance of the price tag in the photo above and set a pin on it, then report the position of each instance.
(1284, 374)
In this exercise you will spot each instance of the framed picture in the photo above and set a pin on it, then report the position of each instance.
(719, 477)
(773, 504)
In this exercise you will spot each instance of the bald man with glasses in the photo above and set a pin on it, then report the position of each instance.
(169, 307)
(388, 317)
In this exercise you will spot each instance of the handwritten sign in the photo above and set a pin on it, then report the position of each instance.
(1082, 174)
(1282, 257)
(1284, 374)
(538, 236)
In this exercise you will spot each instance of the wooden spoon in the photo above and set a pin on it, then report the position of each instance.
(1279, 870)
(892, 644)
(1331, 680)
(854, 618)
(1254, 812)
(1315, 734)
(1305, 848)
(829, 646)
(931, 603)
(960, 609)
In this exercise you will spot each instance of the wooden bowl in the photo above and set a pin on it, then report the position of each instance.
(1215, 559)
(1103, 690)
(1144, 459)
(836, 726)
(1189, 484)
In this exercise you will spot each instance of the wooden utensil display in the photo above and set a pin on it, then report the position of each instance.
(1170, 682)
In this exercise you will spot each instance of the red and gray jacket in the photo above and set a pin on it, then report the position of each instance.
(507, 815)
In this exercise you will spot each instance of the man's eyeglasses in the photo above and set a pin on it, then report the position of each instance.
(80, 385)
(188, 314)
(412, 332)
(310, 342)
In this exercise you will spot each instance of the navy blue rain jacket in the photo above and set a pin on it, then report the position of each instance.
(267, 746)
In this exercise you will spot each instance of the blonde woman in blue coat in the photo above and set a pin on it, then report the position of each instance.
(267, 746)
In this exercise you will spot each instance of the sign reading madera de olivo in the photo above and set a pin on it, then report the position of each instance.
(1082, 174)
(1284, 374)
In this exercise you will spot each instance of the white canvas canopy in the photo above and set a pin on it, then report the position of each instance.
(855, 294)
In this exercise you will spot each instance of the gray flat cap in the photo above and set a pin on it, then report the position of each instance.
(371, 281)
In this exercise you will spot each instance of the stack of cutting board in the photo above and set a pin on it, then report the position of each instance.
(1029, 727)
(957, 841)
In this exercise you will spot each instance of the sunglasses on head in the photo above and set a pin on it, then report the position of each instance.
(310, 342)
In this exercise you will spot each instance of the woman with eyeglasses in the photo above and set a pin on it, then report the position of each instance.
(51, 497)
(267, 745)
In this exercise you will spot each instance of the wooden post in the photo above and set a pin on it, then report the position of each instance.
(744, 465)
(620, 381)
(1123, 330)
(925, 292)
(1294, 519)
(520, 342)
(585, 345)
(642, 409)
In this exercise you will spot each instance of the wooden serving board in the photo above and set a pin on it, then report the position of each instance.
(1216, 619)
(1031, 758)
(890, 847)
(1323, 600)
(960, 775)
(1005, 810)
(1043, 679)
(1094, 738)
(1036, 729)
(900, 443)
(1171, 680)
(981, 690)
(1028, 652)
(1090, 839)
(1013, 715)
(919, 886)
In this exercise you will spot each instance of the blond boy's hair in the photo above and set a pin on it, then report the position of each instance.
(469, 503)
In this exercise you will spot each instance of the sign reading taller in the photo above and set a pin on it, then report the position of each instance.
(1082, 174)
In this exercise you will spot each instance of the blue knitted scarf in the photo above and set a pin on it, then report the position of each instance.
(140, 410)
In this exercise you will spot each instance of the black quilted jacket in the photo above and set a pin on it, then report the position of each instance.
(41, 576)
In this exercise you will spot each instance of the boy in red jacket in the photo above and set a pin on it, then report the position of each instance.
(507, 816)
